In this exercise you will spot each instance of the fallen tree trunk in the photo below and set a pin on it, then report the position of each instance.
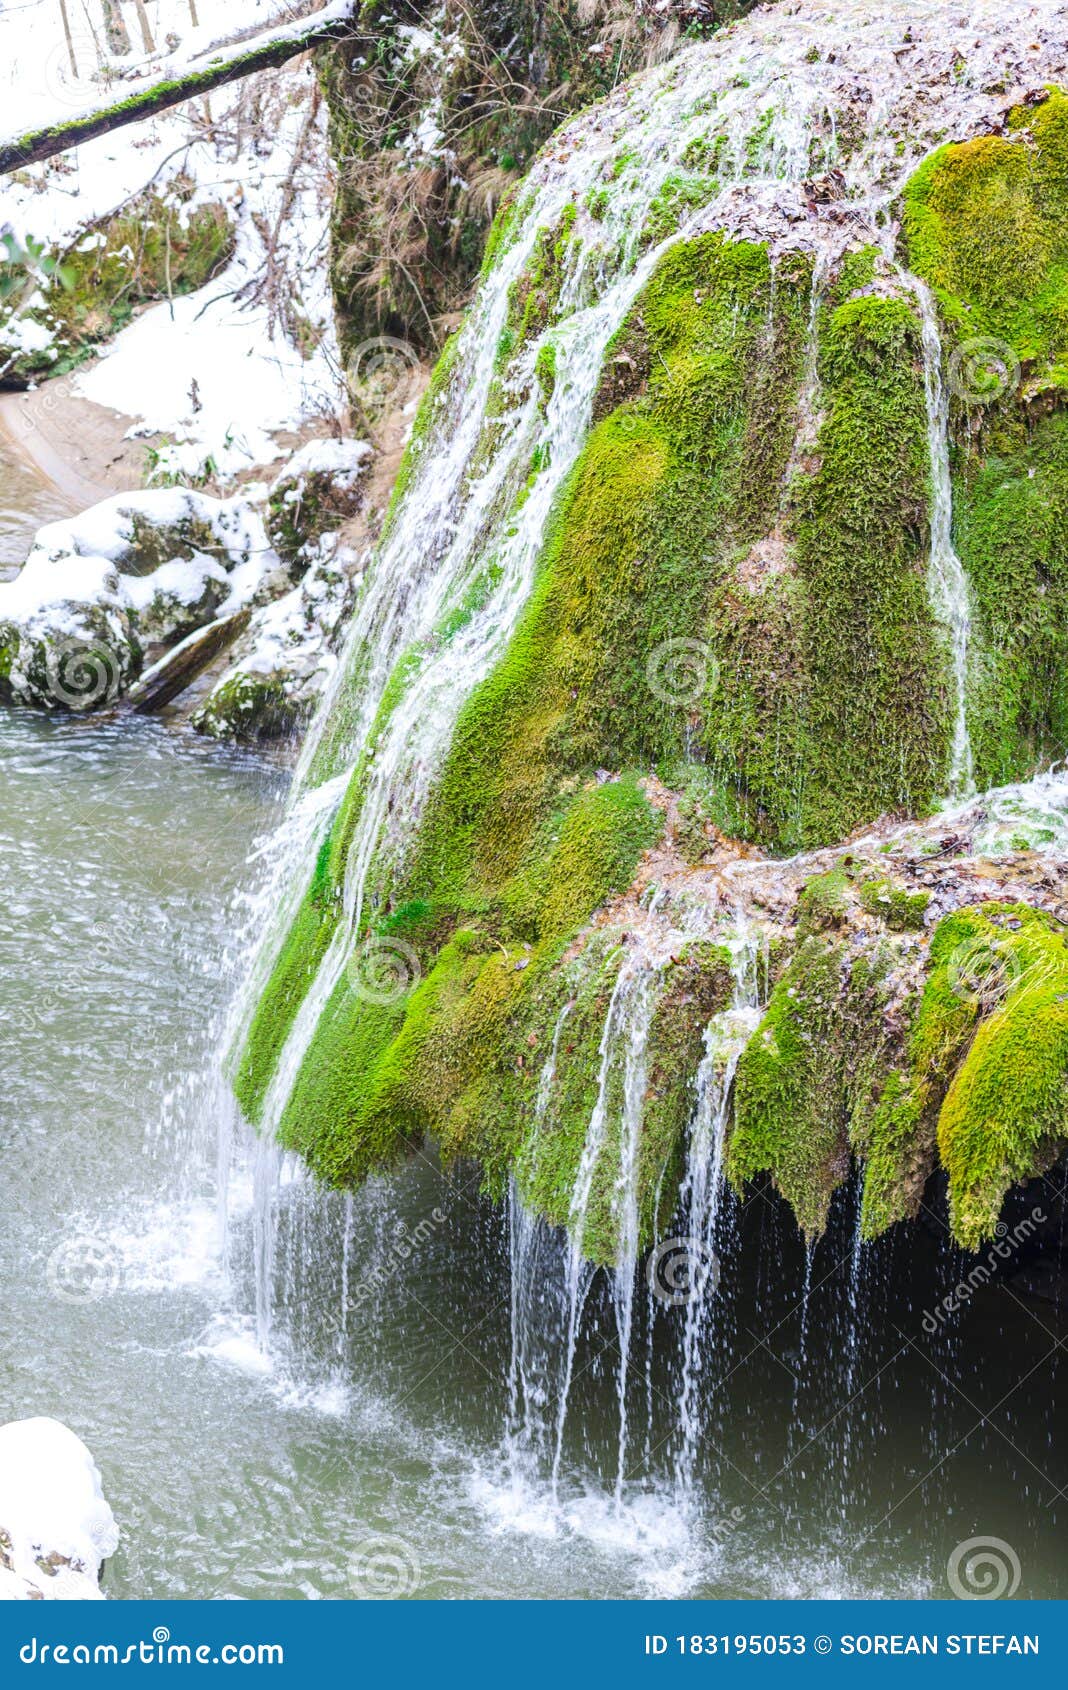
(178, 668)
(262, 52)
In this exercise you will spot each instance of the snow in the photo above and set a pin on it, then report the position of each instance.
(52, 1510)
(84, 588)
(44, 88)
(183, 580)
(221, 380)
(253, 381)
(342, 460)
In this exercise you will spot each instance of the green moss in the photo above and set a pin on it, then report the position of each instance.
(806, 1073)
(820, 647)
(1005, 1115)
(534, 296)
(248, 708)
(823, 902)
(986, 226)
(679, 195)
(155, 247)
(985, 223)
(302, 951)
(894, 905)
(986, 1066)
(1012, 515)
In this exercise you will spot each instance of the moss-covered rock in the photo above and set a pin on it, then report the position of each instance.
(985, 225)
(726, 641)
(157, 246)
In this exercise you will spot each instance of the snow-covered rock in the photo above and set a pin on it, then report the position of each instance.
(287, 654)
(319, 488)
(137, 570)
(56, 1528)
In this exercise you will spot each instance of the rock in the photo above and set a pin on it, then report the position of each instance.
(320, 487)
(178, 669)
(286, 656)
(56, 1528)
(139, 570)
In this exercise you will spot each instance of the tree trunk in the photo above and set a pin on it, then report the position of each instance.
(116, 34)
(273, 47)
(193, 14)
(146, 33)
(68, 38)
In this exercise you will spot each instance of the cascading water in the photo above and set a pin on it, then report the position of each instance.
(462, 531)
(468, 533)
(703, 1189)
(947, 581)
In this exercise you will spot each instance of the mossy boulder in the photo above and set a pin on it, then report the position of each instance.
(319, 490)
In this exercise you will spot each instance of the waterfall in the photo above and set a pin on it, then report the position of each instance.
(766, 103)
(491, 458)
(579, 1271)
(947, 581)
(625, 1195)
(528, 1239)
(702, 1192)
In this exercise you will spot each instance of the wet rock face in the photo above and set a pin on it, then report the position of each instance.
(731, 531)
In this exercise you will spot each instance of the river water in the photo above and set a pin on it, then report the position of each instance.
(362, 1449)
